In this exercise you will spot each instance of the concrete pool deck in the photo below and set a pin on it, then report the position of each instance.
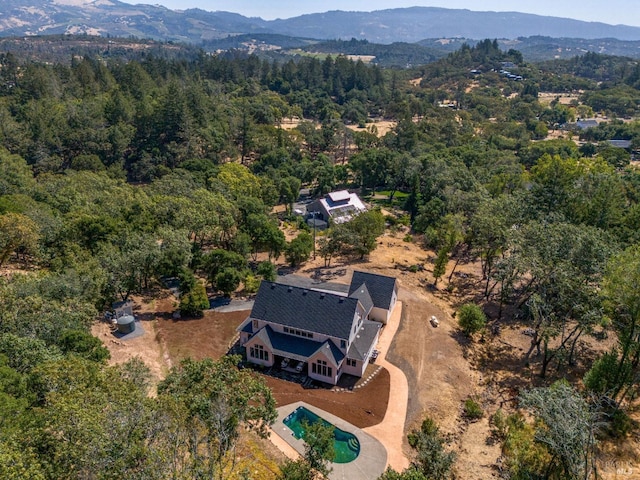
(370, 463)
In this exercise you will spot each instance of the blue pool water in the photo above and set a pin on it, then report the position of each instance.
(345, 444)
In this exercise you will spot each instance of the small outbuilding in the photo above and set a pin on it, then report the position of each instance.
(121, 309)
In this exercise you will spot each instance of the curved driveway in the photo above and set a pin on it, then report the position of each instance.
(390, 432)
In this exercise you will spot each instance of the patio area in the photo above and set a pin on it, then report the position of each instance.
(371, 461)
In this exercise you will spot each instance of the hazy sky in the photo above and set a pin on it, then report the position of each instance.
(625, 12)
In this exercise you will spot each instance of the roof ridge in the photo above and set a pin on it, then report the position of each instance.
(308, 289)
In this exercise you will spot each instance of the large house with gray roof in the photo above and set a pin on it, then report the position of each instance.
(322, 334)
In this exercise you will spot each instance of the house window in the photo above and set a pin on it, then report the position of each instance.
(343, 344)
(255, 324)
(299, 333)
(351, 363)
(258, 351)
(320, 368)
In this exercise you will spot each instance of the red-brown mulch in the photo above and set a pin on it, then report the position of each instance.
(362, 407)
(211, 335)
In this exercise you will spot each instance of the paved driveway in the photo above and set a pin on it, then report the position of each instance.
(225, 304)
(306, 282)
(391, 430)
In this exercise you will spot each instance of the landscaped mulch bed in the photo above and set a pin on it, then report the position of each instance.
(210, 337)
(361, 407)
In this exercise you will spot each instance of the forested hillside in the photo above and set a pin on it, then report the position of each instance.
(115, 174)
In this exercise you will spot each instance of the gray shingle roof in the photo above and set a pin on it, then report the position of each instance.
(362, 294)
(364, 338)
(297, 348)
(331, 350)
(305, 309)
(380, 287)
(245, 326)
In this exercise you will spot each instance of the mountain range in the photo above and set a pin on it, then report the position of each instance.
(118, 19)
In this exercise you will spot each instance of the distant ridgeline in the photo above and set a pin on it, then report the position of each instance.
(394, 37)
(281, 48)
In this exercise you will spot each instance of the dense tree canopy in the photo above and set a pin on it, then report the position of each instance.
(115, 175)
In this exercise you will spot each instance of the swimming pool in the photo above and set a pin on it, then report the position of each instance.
(345, 444)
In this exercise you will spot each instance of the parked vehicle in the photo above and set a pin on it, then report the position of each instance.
(285, 363)
(299, 367)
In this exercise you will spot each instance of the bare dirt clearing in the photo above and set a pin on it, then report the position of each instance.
(564, 98)
(146, 347)
(380, 128)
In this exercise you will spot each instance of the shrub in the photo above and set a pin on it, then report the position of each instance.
(440, 265)
(432, 460)
(471, 318)
(390, 220)
(472, 409)
(228, 280)
(499, 424)
(83, 344)
(408, 238)
(524, 457)
(194, 302)
(267, 271)
(606, 374)
(404, 220)
(431, 238)
(187, 281)
(302, 224)
(299, 249)
(251, 284)
(621, 424)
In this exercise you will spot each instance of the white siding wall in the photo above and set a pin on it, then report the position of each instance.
(334, 369)
(360, 366)
(253, 343)
(356, 371)
(394, 299)
(379, 315)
